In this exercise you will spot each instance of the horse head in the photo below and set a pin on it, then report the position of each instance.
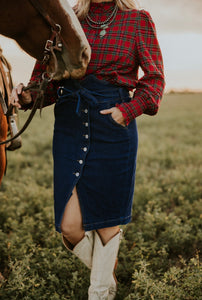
(22, 21)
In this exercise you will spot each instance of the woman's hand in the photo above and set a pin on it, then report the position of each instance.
(19, 97)
(116, 114)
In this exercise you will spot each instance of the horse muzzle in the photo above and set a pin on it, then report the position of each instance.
(66, 66)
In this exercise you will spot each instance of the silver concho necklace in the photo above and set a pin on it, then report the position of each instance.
(102, 25)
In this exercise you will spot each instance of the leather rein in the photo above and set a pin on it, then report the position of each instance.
(53, 43)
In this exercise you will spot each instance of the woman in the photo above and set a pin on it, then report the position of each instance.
(95, 133)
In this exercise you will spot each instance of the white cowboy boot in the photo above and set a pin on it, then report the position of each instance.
(84, 249)
(104, 258)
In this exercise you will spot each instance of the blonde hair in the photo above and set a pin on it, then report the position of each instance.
(82, 6)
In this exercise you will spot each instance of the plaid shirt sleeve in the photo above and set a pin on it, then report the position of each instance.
(149, 88)
(50, 94)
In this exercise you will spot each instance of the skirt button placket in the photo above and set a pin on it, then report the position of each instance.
(86, 136)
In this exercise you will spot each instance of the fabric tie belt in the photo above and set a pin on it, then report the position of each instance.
(87, 95)
(102, 91)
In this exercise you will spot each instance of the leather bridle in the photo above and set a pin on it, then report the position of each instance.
(52, 44)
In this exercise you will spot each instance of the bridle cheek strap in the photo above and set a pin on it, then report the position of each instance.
(54, 42)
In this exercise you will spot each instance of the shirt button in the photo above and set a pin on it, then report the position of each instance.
(86, 124)
(77, 174)
(81, 161)
(85, 149)
(86, 110)
(86, 136)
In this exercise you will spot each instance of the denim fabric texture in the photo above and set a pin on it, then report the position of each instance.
(94, 153)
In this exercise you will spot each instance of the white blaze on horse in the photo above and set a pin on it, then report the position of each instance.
(47, 30)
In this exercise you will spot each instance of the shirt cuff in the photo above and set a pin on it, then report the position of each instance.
(132, 109)
(124, 113)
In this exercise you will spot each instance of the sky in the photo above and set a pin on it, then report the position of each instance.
(179, 30)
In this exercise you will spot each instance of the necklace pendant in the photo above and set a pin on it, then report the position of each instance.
(103, 31)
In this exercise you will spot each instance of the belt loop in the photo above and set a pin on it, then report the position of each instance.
(121, 93)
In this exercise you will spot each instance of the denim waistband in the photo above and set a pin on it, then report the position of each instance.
(91, 90)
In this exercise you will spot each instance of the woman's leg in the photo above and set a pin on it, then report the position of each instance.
(81, 243)
(71, 225)
(107, 233)
(74, 238)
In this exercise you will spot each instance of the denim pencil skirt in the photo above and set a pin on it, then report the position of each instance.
(94, 153)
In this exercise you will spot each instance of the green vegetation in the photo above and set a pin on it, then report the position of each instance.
(159, 256)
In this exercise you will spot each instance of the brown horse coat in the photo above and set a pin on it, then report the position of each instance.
(21, 21)
(5, 89)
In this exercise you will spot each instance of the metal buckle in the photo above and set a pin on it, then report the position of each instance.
(48, 45)
(58, 28)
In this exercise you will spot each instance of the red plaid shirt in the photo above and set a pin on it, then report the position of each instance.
(130, 43)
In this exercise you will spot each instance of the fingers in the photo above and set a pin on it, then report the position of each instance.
(107, 111)
(19, 88)
(18, 97)
(14, 99)
(116, 114)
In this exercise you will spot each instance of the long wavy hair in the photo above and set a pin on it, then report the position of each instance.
(82, 6)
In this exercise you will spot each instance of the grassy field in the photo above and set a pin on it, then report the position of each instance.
(159, 256)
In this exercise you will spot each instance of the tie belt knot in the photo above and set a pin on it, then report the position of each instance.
(87, 95)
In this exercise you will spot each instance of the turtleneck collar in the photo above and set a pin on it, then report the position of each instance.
(102, 6)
